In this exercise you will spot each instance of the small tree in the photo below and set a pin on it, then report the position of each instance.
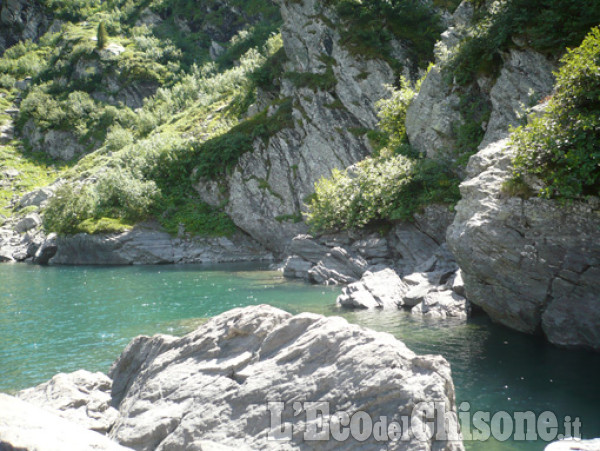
(102, 36)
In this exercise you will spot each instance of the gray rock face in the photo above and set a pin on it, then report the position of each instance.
(147, 244)
(525, 79)
(431, 121)
(46, 250)
(36, 198)
(338, 266)
(20, 238)
(428, 294)
(296, 268)
(532, 265)
(381, 289)
(343, 258)
(213, 384)
(272, 181)
(24, 426)
(29, 222)
(21, 20)
(431, 117)
(60, 144)
(81, 397)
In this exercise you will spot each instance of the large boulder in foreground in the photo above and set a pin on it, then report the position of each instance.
(531, 264)
(24, 426)
(214, 384)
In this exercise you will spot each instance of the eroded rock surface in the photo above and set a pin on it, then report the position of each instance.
(24, 426)
(81, 397)
(214, 383)
(271, 183)
(148, 244)
(531, 264)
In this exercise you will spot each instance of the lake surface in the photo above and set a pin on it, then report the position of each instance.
(65, 318)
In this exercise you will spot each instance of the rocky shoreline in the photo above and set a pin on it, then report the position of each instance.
(209, 389)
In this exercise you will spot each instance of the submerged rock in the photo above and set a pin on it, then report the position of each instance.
(214, 384)
(24, 426)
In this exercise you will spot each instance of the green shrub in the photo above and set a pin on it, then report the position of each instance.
(68, 208)
(196, 217)
(102, 36)
(562, 146)
(392, 111)
(123, 194)
(379, 189)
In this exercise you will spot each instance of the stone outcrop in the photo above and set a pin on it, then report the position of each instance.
(214, 383)
(81, 397)
(147, 244)
(434, 115)
(437, 293)
(531, 264)
(24, 426)
(381, 289)
(344, 257)
(272, 182)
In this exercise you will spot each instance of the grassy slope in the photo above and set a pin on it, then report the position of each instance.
(145, 158)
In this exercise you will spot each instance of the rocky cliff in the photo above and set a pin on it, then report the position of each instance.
(21, 21)
(531, 264)
(333, 93)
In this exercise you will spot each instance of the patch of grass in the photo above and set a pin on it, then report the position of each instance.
(35, 170)
(95, 226)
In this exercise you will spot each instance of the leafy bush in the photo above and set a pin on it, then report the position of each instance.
(392, 111)
(562, 146)
(379, 189)
(124, 194)
(70, 206)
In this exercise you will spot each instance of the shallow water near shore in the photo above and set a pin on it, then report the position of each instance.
(65, 318)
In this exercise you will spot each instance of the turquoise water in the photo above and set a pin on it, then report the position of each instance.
(66, 318)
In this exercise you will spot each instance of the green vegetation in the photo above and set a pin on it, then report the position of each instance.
(34, 170)
(379, 189)
(548, 26)
(370, 27)
(393, 185)
(153, 117)
(151, 174)
(102, 36)
(562, 146)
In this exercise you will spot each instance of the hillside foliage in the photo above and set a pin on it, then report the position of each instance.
(562, 146)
